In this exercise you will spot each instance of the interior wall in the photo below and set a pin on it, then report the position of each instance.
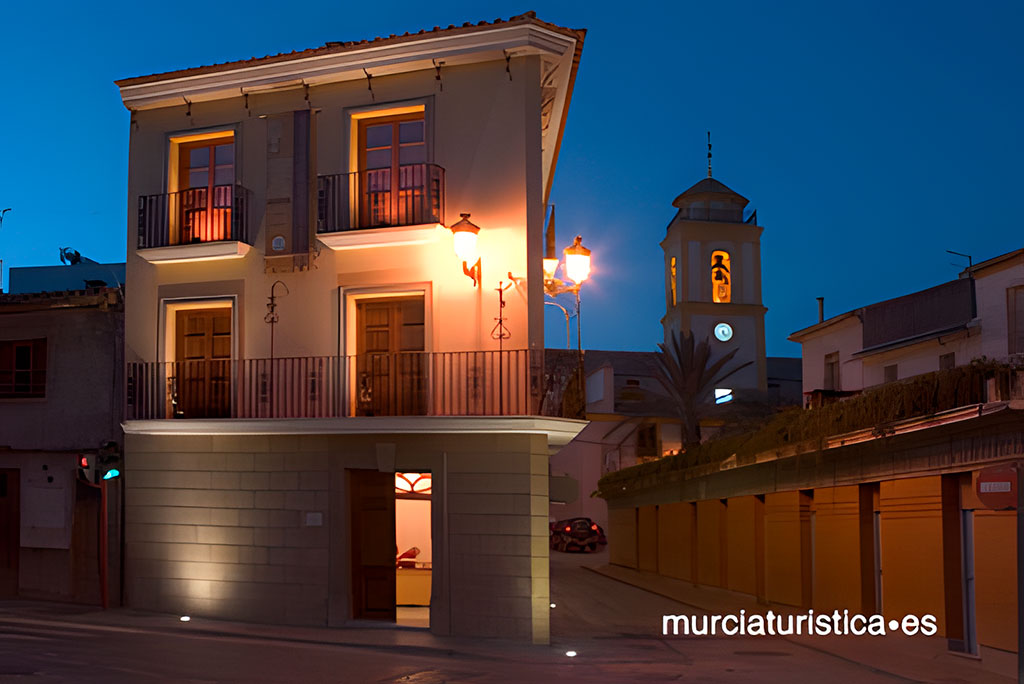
(412, 527)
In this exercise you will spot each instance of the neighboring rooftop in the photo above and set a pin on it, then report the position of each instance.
(911, 318)
(103, 298)
(74, 277)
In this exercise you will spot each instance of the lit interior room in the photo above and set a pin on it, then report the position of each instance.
(414, 553)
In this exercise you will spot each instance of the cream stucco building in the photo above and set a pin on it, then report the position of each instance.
(314, 368)
(978, 315)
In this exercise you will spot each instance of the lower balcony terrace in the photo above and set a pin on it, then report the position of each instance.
(473, 383)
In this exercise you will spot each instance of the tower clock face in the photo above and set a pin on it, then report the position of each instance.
(723, 332)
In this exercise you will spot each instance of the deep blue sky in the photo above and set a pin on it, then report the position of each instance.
(870, 136)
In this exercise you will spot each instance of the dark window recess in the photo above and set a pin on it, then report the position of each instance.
(831, 377)
(647, 443)
(890, 373)
(22, 369)
(947, 361)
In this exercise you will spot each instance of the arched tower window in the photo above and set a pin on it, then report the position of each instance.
(721, 277)
(672, 279)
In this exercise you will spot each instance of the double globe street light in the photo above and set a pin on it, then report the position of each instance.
(576, 269)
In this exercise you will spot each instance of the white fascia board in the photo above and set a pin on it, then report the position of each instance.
(559, 431)
(550, 137)
(348, 65)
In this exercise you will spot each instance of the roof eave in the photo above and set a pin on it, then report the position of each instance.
(817, 327)
(331, 65)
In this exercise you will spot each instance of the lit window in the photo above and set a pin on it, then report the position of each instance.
(672, 281)
(410, 484)
(721, 277)
(723, 395)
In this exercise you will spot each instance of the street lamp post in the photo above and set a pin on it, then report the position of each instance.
(576, 269)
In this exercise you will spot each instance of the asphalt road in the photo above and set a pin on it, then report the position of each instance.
(615, 629)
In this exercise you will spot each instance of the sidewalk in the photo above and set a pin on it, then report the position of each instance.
(410, 641)
(919, 659)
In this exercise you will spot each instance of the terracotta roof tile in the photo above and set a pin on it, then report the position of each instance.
(333, 47)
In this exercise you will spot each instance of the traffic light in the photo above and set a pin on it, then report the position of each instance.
(85, 467)
(105, 464)
(109, 461)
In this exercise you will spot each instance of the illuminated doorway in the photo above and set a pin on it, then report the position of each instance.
(414, 555)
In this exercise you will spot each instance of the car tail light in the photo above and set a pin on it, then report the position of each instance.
(568, 529)
(594, 527)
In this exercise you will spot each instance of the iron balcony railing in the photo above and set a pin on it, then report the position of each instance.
(479, 383)
(377, 198)
(193, 216)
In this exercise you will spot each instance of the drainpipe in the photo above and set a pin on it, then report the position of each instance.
(821, 309)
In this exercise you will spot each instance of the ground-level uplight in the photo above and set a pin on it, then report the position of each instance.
(571, 654)
(184, 618)
(552, 605)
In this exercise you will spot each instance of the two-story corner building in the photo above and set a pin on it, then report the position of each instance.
(981, 314)
(316, 376)
(60, 400)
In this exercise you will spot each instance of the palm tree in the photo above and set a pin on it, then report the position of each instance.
(689, 375)
(688, 379)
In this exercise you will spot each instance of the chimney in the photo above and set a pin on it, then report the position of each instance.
(821, 309)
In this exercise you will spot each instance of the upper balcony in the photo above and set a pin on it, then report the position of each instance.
(194, 224)
(400, 204)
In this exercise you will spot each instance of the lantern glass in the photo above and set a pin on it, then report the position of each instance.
(577, 267)
(465, 246)
(577, 261)
(550, 266)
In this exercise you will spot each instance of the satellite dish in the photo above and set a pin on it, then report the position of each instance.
(70, 256)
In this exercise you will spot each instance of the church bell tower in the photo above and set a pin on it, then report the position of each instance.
(713, 278)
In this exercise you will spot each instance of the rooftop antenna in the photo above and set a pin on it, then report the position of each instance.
(2, 216)
(709, 154)
(970, 260)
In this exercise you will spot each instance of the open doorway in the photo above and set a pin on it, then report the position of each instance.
(414, 549)
(392, 550)
(10, 546)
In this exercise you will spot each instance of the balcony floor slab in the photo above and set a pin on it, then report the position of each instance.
(559, 431)
(382, 237)
(199, 251)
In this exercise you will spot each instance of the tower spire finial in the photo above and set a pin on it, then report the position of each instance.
(709, 154)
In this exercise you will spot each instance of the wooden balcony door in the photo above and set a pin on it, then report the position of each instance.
(206, 181)
(372, 497)
(202, 373)
(391, 366)
(392, 154)
(10, 531)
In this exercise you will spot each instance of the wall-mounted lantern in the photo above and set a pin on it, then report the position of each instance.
(465, 233)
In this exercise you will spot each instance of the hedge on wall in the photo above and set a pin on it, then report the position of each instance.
(919, 396)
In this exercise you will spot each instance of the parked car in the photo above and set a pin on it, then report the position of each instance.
(577, 534)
